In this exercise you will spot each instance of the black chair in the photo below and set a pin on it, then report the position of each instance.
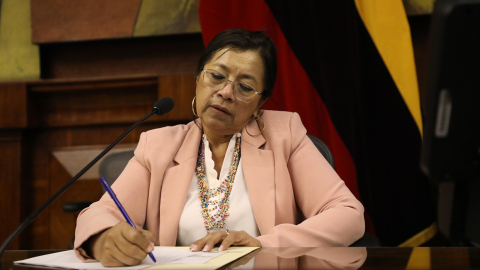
(323, 148)
(368, 239)
(112, 166)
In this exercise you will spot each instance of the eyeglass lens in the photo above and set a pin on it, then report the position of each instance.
(217, 81)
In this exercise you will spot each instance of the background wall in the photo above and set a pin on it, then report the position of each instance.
(19, 58)
(75, 76)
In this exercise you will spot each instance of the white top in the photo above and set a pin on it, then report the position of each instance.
(191, 226)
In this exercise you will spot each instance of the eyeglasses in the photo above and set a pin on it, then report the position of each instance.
(217, 80)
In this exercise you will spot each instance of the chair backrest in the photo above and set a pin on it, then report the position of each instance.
(368, 239)
(323, 148)
(112, 166)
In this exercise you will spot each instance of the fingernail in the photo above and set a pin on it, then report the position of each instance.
(150, 248)
(193, 247)
(221, 248)
(206, 248)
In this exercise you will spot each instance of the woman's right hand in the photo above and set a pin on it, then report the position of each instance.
(121, 245)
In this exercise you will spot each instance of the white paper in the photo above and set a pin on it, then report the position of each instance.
(198, 257)
(68, 260)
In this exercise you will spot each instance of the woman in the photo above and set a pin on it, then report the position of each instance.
(235, 176)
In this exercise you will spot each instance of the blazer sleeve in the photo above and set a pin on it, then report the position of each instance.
(334, 217)
(131, 188)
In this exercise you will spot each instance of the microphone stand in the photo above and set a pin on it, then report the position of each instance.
(32, 216)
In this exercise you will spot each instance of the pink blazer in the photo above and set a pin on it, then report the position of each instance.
(286, 176)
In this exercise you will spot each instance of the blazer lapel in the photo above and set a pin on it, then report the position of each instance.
(259, 171)
(175, 186)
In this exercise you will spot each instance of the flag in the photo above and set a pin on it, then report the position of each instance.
(347, 68)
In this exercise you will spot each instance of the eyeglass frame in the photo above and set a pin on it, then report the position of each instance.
(255, 92)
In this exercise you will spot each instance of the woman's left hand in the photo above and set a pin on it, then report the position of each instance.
(235, 238)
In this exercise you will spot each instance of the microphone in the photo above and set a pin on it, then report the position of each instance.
(160, 107)
(163, 106)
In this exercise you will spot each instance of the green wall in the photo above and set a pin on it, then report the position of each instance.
(19, 58)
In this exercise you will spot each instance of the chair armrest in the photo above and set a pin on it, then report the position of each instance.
(71, 207)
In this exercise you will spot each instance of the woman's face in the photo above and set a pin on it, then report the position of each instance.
(221, 113)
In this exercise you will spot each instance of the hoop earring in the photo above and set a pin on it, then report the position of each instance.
(264, 125)
(193, 110)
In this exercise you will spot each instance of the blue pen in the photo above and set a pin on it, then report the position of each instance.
(120, 207)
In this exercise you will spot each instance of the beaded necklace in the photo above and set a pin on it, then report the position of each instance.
(217, 220)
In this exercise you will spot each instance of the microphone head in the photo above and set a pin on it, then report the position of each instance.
(163, 106)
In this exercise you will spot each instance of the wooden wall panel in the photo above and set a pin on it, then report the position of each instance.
(123, 57)
(180, 87)
(90, 112)
(13, 105)
(61, 224)
(35, 191)
(58, 20)
(89, 102)
(10, 184)
(48, 230)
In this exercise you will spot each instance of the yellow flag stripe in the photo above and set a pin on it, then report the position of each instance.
(419, 259)
(387, 24)
(421, 237)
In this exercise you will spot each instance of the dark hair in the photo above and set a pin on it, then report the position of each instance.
(244, 40)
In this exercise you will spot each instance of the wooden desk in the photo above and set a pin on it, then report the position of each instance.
(330, 258)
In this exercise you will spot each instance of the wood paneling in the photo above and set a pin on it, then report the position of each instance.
(10, 184)
(13, 105)
(92, 101)
(180, 87)
(62, 224)
(72, 113)
(58, 20)
(95, 84)
(122, 57)
(48, 175)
